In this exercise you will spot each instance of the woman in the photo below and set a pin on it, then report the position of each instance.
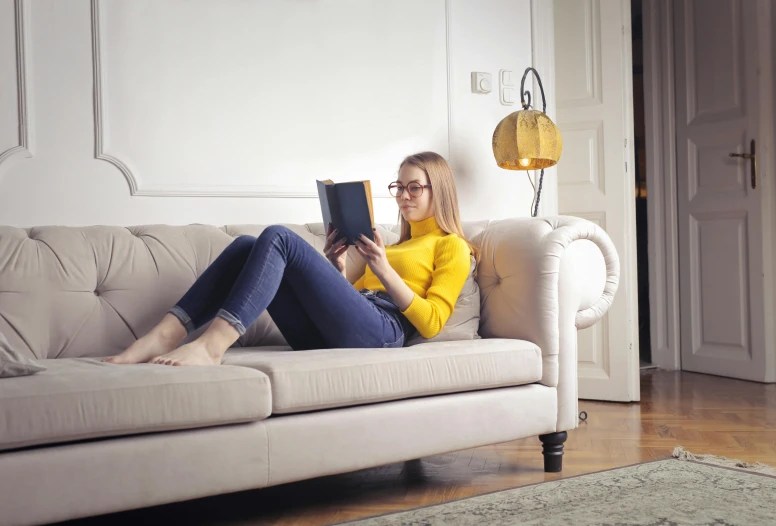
(410, 286)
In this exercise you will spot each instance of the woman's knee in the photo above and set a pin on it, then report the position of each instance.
(242, 243)
(274, 230)
(280, 237)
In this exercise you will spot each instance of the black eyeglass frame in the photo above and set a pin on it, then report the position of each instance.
(396, 184)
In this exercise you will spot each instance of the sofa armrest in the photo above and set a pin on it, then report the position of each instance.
(541, 280)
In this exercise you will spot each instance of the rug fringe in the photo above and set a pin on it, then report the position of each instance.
(682, 454)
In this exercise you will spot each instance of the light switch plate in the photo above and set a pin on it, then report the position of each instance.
(506, 77)
(508, 96)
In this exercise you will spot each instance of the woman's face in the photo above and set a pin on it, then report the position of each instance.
(414, 207)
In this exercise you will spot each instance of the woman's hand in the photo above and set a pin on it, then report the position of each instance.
(335, 249)
(374, 254)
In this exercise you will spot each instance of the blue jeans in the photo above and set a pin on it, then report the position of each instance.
(313, 305)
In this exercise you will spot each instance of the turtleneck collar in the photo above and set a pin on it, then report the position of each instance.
(421, 228)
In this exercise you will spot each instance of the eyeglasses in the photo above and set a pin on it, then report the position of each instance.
(415, 189)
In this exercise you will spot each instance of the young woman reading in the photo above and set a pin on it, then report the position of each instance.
(407, 287)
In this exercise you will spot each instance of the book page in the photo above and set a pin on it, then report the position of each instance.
(368, 192)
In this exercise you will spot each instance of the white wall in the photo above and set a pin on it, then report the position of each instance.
(227, 112)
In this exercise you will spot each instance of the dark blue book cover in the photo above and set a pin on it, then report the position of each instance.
(348, 207)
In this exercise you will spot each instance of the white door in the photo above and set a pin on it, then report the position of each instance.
(593, 77)
(719, 203)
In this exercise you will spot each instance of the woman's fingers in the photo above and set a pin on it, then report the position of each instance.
(331, 236)
(340, 242)
(363, 248)
(339, 251)
(378, 238)
(368, 242)
(331, 241)
(328, 236)
(364, 253)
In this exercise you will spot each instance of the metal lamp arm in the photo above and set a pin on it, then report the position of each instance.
(527, 94)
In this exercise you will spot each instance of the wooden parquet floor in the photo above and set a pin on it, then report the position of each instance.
(705, 414)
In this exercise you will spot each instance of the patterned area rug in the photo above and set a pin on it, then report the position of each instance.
(673, 492)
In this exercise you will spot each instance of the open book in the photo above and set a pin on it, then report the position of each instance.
(348, 207)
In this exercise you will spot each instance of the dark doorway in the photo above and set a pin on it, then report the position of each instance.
(640, 173)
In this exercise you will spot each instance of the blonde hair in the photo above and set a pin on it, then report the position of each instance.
(445, 197)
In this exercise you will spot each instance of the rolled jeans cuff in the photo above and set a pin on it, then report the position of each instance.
(184, 318)
(232, 320)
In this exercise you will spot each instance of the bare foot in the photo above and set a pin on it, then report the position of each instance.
(162, 339)
(194, 353)
(205, 350)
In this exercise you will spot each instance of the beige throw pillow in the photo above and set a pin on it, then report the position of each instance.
(464, 322)
(13, 363)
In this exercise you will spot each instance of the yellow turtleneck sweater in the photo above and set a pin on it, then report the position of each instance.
(435, 266)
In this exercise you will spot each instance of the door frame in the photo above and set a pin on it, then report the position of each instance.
(662, 205)
(622, 347)
(543, 60)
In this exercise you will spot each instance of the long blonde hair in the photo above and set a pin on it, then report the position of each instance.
(445, 197)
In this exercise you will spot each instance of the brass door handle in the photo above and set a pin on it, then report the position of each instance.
(749, 156)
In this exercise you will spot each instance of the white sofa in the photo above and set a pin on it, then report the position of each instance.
(84, 437)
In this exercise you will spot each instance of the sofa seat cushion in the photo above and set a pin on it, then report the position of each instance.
(327, 378)
(83, 398)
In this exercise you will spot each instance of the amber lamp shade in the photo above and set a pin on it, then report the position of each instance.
(527, 140)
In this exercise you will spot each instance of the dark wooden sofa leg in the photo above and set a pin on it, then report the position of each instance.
(552, 449)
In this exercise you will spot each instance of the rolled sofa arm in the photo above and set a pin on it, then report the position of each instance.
(542, 279)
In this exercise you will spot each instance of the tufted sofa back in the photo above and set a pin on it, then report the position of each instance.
(90, 291)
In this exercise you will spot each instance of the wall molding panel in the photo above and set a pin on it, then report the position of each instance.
(24, 148)
(449, 65)
(191, 111)
(99, 118)
(135, 188)
(132, 171)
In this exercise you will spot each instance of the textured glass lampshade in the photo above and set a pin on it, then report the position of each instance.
(526, 140)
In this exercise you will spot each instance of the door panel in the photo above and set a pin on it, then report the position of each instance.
(713, 79)
(719, 212)
(720, 286)
(593, 342)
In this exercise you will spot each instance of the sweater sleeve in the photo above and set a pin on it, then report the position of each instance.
(451, 268)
